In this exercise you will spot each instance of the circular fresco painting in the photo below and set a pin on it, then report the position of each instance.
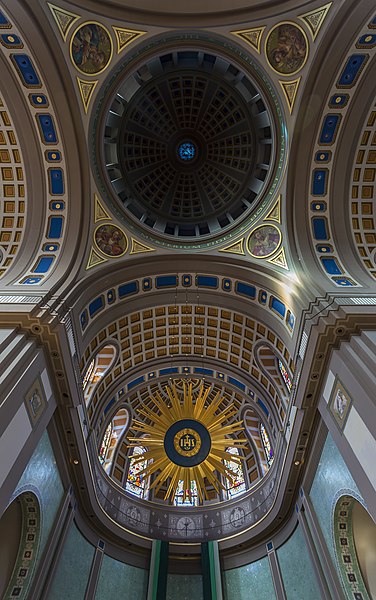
(110, 240)
(264, 240)
(91, 48)
(286, 48)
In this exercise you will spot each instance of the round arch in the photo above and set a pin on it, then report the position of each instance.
(25, 507)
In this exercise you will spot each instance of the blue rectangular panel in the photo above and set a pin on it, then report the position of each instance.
(108, 406)
(55, 227)
(260, 402)
(206, 281)
(47, 128)
(11, 40)
(352, 69)
(96, 305)
(26, 70)
(330, 265)
(43, 264)
(53, 156)
(329, 129)
(278, 306)
(135, 382)
(38, 100)
(323, 157)
(318, 206)
(169, 371)
(245, 290)
(56, 181)
(319, 182)
(339, 100)
(202, 371)
(3, 20)
(166, 281)
(290, 320)
(238, 384)
(343, 281)
(319, 229)
(84, 319)
(127, 289)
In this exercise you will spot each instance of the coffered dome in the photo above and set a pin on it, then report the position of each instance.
(188, 145)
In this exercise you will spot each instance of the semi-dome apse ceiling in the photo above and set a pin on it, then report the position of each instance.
(190, 144)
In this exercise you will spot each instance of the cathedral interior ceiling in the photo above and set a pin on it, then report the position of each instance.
(185, 195)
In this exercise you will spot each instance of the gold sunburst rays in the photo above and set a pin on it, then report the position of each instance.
(185, 440)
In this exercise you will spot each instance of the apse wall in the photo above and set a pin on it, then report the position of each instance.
(77, 558)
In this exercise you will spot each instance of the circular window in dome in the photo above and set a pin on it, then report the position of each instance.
(189, 146)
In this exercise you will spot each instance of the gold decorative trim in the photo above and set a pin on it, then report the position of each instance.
(64, 19)
(280, 260)
(275, 213)
(86, 89)
(138, 247)
(100, 214)
(94, 259)
(315, 18)
(235, 248)
(290, 89)
(124, 37)
(251, 36)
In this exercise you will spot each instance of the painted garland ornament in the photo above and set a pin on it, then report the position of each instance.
(186, 440)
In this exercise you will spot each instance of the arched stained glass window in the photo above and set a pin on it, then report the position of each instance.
(98, 367)
(237, 486)
(285, 375)
(105, 444)
(119, 424)
(189, 500)
(267, 445)
(136, 482)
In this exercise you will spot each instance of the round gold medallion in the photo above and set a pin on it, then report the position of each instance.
(187, 442)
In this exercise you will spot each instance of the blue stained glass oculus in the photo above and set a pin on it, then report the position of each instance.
(187, 151)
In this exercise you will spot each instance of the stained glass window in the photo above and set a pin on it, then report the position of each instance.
(88, 374)
(105, 444)
(285, 375)
(97, 368)
(237, 485)
(136, 482)
(267, 445)
(189, 500)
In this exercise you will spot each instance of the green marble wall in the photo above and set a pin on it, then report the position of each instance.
(42, 473)
(299, 579)
(331, 476)
(184, 587)
(118, 580)
(74, 566)
(251, 582)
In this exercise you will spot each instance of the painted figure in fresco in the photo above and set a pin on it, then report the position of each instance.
(287, 49)
(110, 240)
(264, 241)
(91, 48)
(340, 403)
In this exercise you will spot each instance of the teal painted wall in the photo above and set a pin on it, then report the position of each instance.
(73, 570)
(184, 587)
(251, 582)
(297, 570)
(118, 580)
(42, 473)
(331, 476)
